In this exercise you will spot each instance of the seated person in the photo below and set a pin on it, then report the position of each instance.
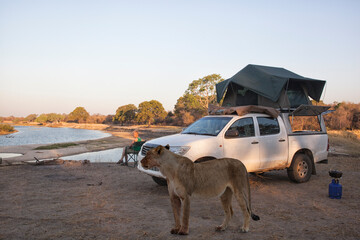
(126, 149)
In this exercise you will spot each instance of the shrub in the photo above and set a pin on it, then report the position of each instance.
(6, 128)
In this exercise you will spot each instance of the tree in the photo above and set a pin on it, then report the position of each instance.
(125, 114)
(49, 118)
(55, 117)
(97, 118)
(205, 89)
(345, 117)
(31, 117)
(109, 119)
(149, 111)
(195, 102)
(170, 118)
(42, 118)
(79, 115)
(188, 109)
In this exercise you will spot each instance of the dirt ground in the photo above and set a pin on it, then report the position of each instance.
(109, 201)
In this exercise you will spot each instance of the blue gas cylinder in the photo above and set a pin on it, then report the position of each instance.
(335, 189)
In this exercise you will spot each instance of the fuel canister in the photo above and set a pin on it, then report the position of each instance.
(335, 189)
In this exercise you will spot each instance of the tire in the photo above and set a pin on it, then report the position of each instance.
(258, 173)
(204, 159)
(301, 168)
(160, 181)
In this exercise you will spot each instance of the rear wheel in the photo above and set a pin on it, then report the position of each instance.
(160, 181)
(301, 168)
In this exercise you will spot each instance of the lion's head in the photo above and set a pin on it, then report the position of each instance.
(152, 157)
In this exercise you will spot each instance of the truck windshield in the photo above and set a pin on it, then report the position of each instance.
(207, 126)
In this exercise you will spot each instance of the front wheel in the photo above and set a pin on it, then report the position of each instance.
(301, 169)
(160, 181)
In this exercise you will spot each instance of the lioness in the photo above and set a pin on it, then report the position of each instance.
(218, 177)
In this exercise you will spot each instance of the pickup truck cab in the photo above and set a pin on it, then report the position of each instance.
(260, 141)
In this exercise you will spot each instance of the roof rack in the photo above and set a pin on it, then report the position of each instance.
(242, 110)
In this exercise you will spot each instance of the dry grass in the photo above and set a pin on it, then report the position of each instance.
(56, 146)
(354, 134)
(345, 141)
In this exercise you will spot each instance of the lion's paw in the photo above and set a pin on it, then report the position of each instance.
(244, 230)
(183, 231)
(220, 228)
(174, 231)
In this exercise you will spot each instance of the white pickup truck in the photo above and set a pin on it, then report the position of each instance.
(260, 141)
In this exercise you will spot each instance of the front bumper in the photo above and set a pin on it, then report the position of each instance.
(148, 171)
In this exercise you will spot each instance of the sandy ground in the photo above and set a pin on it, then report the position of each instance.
(109, 201)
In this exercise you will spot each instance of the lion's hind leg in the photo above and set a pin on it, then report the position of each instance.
(226, 198)
(242, 199)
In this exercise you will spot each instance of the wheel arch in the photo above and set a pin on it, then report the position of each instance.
(308, 153)
(204, 159)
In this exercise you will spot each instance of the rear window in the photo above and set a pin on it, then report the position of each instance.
(304, 123)
(268, 126)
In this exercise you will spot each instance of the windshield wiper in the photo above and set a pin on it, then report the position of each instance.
(196, 133)
(207, 134)
(191, 133)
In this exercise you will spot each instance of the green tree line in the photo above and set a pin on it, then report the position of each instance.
(192, 105)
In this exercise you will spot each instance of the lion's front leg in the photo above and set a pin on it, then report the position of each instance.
(184, 230)
(226, 203)
(176, 206)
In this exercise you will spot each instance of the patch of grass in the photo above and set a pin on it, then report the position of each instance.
(56, 146)
(345, 141)
(352, 135)
(6, 128)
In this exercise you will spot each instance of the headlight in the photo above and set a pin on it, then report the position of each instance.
(181, 150)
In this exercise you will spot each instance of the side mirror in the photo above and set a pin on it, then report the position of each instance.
(232, 133)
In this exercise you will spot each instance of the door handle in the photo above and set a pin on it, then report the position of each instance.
(255, 142)
(281, 140)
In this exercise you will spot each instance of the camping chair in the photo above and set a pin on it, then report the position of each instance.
(133, 152)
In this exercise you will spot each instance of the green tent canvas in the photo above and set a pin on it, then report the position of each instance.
(268, 86)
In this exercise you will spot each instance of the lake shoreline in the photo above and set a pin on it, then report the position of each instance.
(7, 133)
(29, 151)
(121, 137)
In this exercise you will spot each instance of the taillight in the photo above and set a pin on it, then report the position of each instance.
(328, 146)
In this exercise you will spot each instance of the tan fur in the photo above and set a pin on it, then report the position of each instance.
(219, 177)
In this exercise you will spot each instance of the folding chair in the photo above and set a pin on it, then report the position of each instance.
(133, 152)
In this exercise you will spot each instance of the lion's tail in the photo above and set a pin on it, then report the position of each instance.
(253, 216)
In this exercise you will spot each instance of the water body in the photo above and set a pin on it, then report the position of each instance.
(111, 155)
(46, 135)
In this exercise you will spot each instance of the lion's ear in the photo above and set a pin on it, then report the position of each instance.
(159, 149)
(167, 147)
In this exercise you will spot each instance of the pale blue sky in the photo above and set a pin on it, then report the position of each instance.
(57, 55)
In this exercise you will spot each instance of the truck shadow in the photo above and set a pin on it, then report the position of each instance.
(269, 177)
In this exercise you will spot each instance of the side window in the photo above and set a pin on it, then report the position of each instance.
(268, 126)
(304, 123)
(243, 128)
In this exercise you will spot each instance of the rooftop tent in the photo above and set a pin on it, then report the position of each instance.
(268, 86)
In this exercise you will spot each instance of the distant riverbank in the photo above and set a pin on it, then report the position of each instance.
(46, 135)
(146, 132)
(121, 136)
